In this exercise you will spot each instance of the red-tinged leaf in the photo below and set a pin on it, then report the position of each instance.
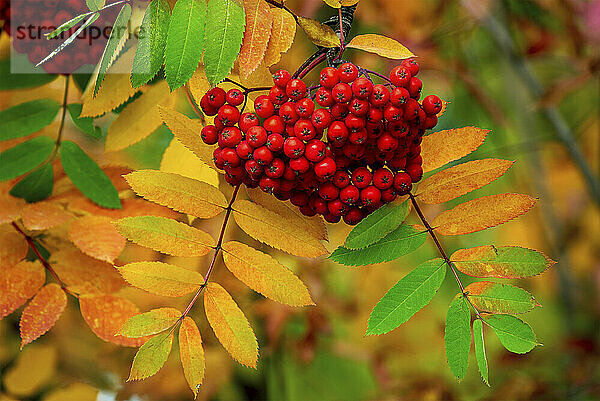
(44, 215)
(13, 248)
(442, 147)
(283, 32)
(151, 356)
(461, 179)
(481, 213)
(191, 354)
(492, 297)
(230, 325)
(19, 283)
(106, 314)
(256, 36)
(42, 313)
(97, 237)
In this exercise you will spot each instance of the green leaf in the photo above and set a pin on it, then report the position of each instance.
(150, 52)
(408, 296)
(185, 41)
(24, 157)
(66, 26)
(10, 81)
(36, 186)
(225, 25)
(500, 298)
(88, 177)
(86, 124)
(377, 225)
(480, 350)
(516, 335)
(27, 118)
(95, 5)
(151, 322)
(399, 242)
(151, 356)
(500, 261)
(458, 336)
(116, 40)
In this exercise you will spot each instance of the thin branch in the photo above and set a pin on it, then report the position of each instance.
(45, 263)
(214, 258)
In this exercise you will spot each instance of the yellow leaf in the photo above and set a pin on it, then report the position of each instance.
(44, 215)
(10, 207)
(333, 3)
(319, 34)
(314, 225)
(282, 36)
(230, 325)
(348, 2)
(106, 314)
(180, 160)
(149, 323)
(35, 366)
(198, 84)
(268, 227)
(116, 89)
(182, 194)
(479, 214)
(445, 146)
(161, 278)
(13, 248)
(191, 354)
(151, 356)
(166, 235)
(73, 392)
(97, 237)
(261, 76)
(42, 313)
(19, 283)
(256, 36)
(461, 179)
(265, 275)
(138, 119)
(187, 131)
(382, 45)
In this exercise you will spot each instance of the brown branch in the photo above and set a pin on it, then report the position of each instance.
(45, 263)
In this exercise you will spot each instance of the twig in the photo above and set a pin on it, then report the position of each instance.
(45, 263)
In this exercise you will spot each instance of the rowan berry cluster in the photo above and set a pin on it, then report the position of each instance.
(341, 152)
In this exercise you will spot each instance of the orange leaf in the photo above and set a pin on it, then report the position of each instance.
(461, 179)
(264, 274)
(161, 278)
(97, 237)
(230, 325)
(479, 214)
(19, 283)
(10, 208)
(84, 274)
(130, 207)
(183, 194)
(191, 354)
(106, 314)
(282, 35)
(13, 247)
(256, 36)
(443, 147)
(44, 215)
(268, 227)
(42, 313)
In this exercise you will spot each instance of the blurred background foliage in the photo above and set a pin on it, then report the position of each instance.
(527, 70)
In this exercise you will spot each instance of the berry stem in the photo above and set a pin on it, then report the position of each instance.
(44, 262)
(376, 74)
(214, 258)
(312, 65)
(442, 252)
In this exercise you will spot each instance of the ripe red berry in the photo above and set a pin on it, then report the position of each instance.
(354, 151)
(337, 134)
(330, 218)
(374, 115)
(315, 150)
(244, 150)
(287, 112)
(229, 115)
(293, 147)
(402, 183)
(281, 78)
(414, 87)
(415, 171)
(253, 168)
(234, 97)
(216, 97)
(247, 120)
(207, 108)
(430, 122)
(325, 168)
(388, 195)
(362, 88)
(318, 204)
(299, 198)
(432, 105)
(321, 119)
(264, 106)
(209, 134)
(337, 207)
(275, 169)
(411, 110)
(380, 95)
(350, 194)
(218, 158)
(230, 157)
(328, 191)
(275, 142)
(256, 136)
(400, 76)
(353, 217)
(341, 92)
(392, 113)
(324, 98)
(308, 211)
(399, 96)
(412, 65)
(329, 77)
(305, 108)
(383, 178)
(370, 195)
(361, 177)
(358, 107)
(387, 143)
(269, 185)
(274, 125)
(341, 179)
(354, 123)
(278, 95)
(262, 155)
(300, 164)
(399, 129)
(348, 72)
(230, 137)
(339, 111)
(304, 130)
(295, 89)
(358, 137)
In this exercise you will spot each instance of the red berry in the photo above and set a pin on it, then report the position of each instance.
(362, 88)
(383, 178)
(307, 211)
(293, 147)
(256, 136)
(247, 120)
(244, 150)
(399, 96)
(370, 195)
(304, 130)
(305, 108)
(358, 137)
(315, 150)
(230, 157)
(400, 76)
(411, 111)
(275, 142)
(325, 168)
(295, 89)
(264, 106)
(262, 155)
(341, 179)
(358, 107)
(330, 218)
(269, 185)
(388, 195)
(414, 87)
(354, 123)
(412, 65)
(209, 134)
(274, 125)
(281, 78)
(318, 204)
(204, 104)
(329, 77)
(392, 113)
(415, 171)
(278, 95)
(275, 169)
(337, 207)
(253, 168)
(432, 105)
(324, 98)
(354, 151)
(234, 97)
(229, 115)
(350, 194)
(300, 164)
(230, 137)
(218, 158)
(287, 112)
(402, 183)
(341, 92)
(328, 191)
(375, 115)
(353, 217)
(380, 95)
(387, 143)
(216, 97)
(348, 72)
(337, 134)
(299, 198)
(361, 177)
(321, 119)
(430, 122)
(339, 111)
(398, 129)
